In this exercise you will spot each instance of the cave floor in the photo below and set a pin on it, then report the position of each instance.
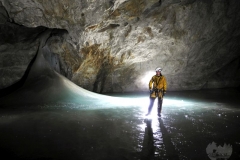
(193, 125)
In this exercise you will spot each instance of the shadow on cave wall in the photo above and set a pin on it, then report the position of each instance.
(13, 33)
(100, 81)
(19, 84)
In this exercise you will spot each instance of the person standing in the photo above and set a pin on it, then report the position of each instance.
(158, 88)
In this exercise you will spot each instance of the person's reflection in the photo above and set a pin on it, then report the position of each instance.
(170, 149)
(148, 143)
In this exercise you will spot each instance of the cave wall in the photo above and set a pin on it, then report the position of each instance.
(115, 45)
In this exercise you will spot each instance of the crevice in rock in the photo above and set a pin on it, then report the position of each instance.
(110, 26)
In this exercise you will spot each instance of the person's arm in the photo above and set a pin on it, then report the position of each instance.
(164, 85)
(151, 83)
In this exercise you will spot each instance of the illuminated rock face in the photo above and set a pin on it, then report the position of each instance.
(115, 45)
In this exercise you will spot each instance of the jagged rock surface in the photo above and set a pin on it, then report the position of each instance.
(113, 45)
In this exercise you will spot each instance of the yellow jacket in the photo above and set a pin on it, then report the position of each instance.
(158, 85)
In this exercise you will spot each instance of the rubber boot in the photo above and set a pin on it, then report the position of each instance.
(159, 112)
(159, 106)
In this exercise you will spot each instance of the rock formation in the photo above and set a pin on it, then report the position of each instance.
(115, 45)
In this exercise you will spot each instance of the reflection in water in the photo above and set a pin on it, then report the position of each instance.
(148, 142)
(157, 142)
(170, 150)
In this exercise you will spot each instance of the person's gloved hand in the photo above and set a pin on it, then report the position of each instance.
(164, 92)
(151, 91)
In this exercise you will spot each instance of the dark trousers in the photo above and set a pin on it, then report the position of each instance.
(159, 109)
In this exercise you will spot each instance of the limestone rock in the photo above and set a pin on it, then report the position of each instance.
(115, 45)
